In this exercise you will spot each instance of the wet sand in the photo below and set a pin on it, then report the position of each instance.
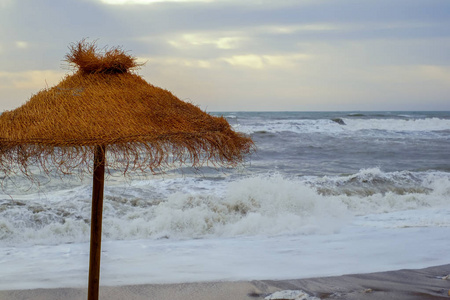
(429, 283)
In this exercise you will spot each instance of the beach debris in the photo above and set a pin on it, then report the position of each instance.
(446, 277)
(368, 291)
(291, 295)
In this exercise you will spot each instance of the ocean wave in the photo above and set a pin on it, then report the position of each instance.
(372, 181)
(409, 125)
(343, 125)
(269, 204)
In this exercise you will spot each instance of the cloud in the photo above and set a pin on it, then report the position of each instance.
(264, 61)
(21, 44)
(295, 28)
(436, 73)
(202, 39)
(34, 79)
(260, 54)
(144, 2)
(176, 62)
(5, 3)
(251, 61)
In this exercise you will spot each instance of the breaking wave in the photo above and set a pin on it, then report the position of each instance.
(342, 125)
(269, 204)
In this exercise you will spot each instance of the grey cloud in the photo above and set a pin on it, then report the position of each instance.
(170, 17)
(54, 24)
(364, 34)
(362, 20)
(49, 27)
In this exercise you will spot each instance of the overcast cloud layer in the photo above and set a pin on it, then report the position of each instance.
(244, 55)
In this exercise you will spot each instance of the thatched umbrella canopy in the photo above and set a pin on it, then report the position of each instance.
(104, 107)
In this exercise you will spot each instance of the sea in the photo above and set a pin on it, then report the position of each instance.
(324, 194)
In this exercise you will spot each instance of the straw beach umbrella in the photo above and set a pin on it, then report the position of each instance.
(105, 117)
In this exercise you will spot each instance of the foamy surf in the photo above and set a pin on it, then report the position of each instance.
(270, 204)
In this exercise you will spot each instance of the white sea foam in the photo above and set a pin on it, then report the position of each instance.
(199, 208)
(408, 125)
(351, 125)
(356, 249)
(297, 126)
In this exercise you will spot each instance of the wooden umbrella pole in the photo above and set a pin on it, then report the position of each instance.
(96, 222)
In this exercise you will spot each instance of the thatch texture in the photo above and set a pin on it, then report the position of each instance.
(103, 103)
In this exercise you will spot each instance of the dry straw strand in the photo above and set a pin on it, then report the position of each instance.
(89, 59)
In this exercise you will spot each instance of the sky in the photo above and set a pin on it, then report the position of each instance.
(236, 55)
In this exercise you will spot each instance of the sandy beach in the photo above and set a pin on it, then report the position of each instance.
(428, 283)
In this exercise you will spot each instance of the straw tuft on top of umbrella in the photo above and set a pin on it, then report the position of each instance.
(87, 57)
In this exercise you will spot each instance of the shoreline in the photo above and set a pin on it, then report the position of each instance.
(408, 284)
